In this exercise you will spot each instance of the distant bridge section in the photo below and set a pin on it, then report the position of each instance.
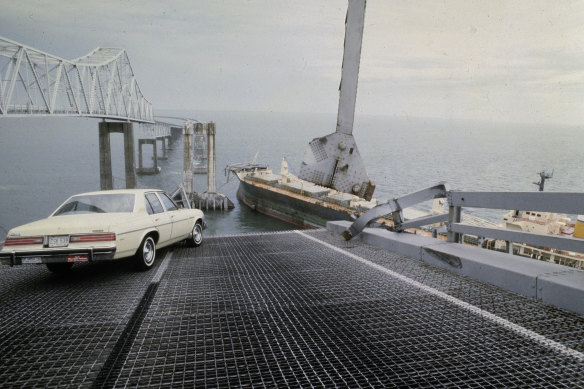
(100, 85)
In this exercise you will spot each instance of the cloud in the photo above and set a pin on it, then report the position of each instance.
(451, 58)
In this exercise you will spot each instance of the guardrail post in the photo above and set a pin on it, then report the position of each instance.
(454, 216)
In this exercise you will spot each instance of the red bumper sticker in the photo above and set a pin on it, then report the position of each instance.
(78, 258)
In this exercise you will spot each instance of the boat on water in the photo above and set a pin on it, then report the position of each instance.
(546, 223)
(333, 183)
(300, 202)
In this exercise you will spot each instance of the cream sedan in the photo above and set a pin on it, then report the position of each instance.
(104, 225)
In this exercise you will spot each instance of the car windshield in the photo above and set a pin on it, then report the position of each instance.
(97, 203)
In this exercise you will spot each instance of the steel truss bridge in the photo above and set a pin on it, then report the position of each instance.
(101, 84)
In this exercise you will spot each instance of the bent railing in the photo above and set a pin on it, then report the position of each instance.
(395, 208)
(568, 203)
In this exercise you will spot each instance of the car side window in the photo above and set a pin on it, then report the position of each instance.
(168, 203)
(154, 203)
(148, 207)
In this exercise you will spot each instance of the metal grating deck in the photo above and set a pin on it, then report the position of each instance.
(278, 310)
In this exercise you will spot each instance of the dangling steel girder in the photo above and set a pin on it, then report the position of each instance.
(101, 85)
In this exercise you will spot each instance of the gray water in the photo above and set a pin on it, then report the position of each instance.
(45, 160)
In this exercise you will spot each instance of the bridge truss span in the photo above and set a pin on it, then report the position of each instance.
(101, 84)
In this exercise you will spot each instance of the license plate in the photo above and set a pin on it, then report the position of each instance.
(58, 241)
(32, 260)
(77, 258)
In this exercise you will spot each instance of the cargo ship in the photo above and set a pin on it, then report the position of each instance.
(291, 199)
(333, 183)
(545, 223)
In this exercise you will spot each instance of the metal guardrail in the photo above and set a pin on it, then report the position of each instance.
(559, 202)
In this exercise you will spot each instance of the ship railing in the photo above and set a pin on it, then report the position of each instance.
(558, 202)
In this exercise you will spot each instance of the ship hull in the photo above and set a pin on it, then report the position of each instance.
(291, 208)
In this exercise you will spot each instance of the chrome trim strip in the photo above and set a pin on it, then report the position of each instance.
(57, 251)
(129, 232)
(145, 228)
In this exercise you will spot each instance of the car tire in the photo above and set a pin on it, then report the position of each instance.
(146, 254)
(196, 238)
(59, 268)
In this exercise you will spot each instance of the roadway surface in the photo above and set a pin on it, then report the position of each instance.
(293, 309)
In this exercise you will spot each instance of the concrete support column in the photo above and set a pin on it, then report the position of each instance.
(129, 156)
(162, 139)
(155, 156)
(188, 156)
(200, 149)
(175, 133)
(145, 170)
(105, 157)
(211, 186)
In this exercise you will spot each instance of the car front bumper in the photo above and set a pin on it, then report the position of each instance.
(68, 255)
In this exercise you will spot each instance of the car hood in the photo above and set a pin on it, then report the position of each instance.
(71, 224)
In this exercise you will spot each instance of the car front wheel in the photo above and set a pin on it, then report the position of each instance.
(196, 237)
(146, 254)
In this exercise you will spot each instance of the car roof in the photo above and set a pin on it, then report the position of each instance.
(120, 191)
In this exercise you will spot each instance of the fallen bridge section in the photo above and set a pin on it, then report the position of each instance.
(293, 309)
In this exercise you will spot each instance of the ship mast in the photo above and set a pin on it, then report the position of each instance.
(542, 177)
(334, 160)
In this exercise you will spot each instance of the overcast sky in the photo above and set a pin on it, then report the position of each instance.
(516, 61)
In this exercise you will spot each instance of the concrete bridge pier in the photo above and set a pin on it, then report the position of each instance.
(210, 200)
(188, 132)
(175, 133)
(147, 170)
(105, 156)
(200, 149)
(162, 140)
(211, 179)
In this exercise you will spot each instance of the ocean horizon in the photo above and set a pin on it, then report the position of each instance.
(45, 160)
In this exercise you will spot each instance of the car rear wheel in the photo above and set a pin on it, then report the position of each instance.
(59, 267)
(196, 237)
(146, 254)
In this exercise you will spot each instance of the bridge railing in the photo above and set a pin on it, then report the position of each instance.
(556, 202)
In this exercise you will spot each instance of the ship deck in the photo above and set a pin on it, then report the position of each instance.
(292, 309)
